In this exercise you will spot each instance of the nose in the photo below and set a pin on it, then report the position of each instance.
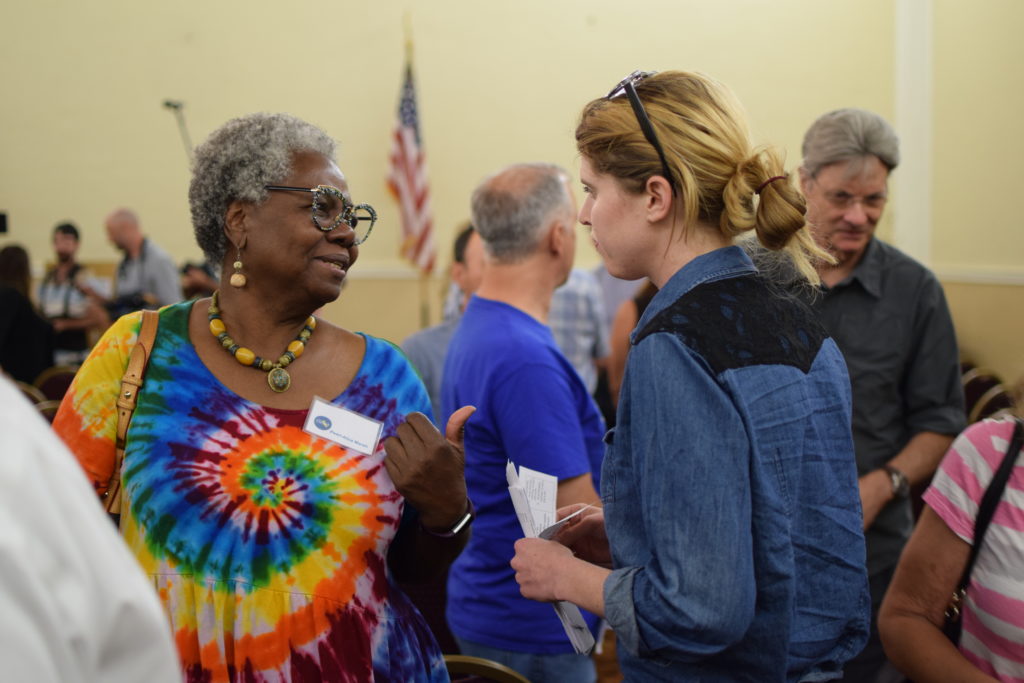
(584, 213)
(855, 214)
(344, 234)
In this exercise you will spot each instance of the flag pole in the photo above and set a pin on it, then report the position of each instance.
(407, 181)
(424, 300)
(424, 279)
(407, 25)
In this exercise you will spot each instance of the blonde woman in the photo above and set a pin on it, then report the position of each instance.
(730, 544)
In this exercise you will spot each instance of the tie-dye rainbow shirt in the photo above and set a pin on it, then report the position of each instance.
(266, 545)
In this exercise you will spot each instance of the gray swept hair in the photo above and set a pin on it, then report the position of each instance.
(511, 208)
(846, 134)
(237, 160)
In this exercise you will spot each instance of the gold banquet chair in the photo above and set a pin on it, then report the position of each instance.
(977, 383)
(30, 392)
(48, 409)
(996, 401)
(54, 382)
(484, 669)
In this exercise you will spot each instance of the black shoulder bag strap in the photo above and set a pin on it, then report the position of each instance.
(986, 509)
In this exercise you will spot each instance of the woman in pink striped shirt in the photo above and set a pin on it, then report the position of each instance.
(992, 641)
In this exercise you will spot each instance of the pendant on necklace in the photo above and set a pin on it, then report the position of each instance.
(279, 380)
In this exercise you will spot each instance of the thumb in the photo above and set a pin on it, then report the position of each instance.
(457, 424)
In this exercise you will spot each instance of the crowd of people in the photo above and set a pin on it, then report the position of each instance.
(59, 322)
(742, 510)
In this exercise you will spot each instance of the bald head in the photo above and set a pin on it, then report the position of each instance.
(512, 208)
(123, 230)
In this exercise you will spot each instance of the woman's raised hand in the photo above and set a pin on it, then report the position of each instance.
(427, 468)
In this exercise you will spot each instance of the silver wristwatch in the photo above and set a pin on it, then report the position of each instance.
(900, 483)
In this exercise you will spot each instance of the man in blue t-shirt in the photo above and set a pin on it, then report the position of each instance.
(532, 409)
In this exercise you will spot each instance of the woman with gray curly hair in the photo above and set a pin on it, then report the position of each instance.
(270, 519)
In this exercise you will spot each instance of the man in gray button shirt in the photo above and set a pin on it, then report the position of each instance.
(889, 316)
(146, 276)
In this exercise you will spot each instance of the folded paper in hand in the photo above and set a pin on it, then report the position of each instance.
(533, 495)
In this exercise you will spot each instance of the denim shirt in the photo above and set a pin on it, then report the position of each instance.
(730, 488)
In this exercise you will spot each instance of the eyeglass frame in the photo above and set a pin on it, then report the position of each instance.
(843, 201)
(347, 211)
(627, 85)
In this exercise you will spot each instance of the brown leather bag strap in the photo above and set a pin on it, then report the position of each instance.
(131, 383)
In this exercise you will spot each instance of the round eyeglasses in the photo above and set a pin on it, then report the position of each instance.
(330, 208)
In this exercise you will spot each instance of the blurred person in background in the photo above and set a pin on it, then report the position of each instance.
(199, 280)
(26, 338)
(577, 319)
(427, 348)
(534, 411)
(146, 275)
(625, 321)
(907, 398)
(69, 299)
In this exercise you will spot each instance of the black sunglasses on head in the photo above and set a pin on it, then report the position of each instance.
(628, 86)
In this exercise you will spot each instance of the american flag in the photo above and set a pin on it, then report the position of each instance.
(408, 181)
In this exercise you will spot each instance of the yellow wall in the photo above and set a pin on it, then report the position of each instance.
(977, 240)
(979, 140)
(83, 130)
(988, 332)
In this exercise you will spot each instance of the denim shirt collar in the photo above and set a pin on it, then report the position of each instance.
(714, 265)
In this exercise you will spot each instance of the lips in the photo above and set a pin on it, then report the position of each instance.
(339, 262)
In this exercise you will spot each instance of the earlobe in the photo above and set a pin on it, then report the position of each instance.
(558, 238)
(553, 237)
(234, 224)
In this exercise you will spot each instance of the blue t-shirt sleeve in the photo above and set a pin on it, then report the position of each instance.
(696, 594)
(539, 425)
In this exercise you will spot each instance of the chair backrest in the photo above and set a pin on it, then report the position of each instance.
(30, 392)
(485, 669)
(48, 409)
(976, 383)
(54, 382)
(997, 398)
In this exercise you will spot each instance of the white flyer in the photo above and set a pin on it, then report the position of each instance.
(533, 496)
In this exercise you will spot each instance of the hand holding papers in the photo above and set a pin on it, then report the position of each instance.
(550, 532)
(533, 496)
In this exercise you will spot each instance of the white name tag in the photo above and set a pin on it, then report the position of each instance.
(343, 427)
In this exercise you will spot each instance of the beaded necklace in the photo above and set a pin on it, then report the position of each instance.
(277, 377)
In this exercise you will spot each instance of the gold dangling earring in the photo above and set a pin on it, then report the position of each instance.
(238, 277)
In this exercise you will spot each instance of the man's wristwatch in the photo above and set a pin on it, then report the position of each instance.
(900, 483)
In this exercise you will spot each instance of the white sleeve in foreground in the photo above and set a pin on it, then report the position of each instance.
(74, 604)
